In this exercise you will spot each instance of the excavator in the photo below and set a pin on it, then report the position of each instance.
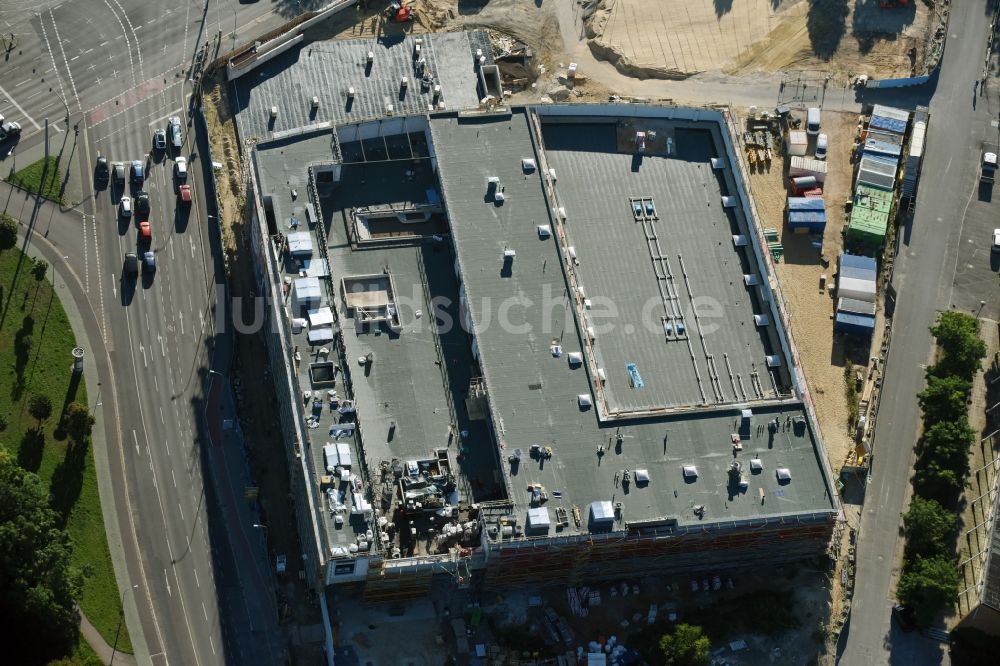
(397, 12)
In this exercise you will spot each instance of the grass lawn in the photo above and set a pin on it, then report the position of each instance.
(30, 178)
(29, 308)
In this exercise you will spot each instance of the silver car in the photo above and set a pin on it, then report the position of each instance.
(160, 139)
(176, 138)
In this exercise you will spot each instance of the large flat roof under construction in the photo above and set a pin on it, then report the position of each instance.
(521, 298)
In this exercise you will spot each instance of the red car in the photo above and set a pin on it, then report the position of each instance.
(185, 194)
(145, 232)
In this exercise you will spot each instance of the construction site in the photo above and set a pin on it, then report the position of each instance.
(480, 386)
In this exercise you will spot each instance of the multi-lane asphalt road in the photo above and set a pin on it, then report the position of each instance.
(114, 70)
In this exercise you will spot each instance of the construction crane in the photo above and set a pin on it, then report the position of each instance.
(396, 12)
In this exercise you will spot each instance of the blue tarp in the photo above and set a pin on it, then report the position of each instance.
(805, 203)
(857, 261)
(806, 217)
(889, 118)
(854, 324)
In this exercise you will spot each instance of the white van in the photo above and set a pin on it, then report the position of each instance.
(812, 120)
(822, 143)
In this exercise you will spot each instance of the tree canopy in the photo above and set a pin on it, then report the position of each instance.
(37, 583)
(40, 406)
(962, 350)
(927, 526)
(77, 421)
(928, 585)
(8, 232)
(949, 442)
(685, 646)
(944, 398)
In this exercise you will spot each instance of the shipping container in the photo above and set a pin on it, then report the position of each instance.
(797, 143)
(807, 166)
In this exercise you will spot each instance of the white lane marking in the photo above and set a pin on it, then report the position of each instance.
(69, 72)
(18, 107)
(175, 112)
(97, 262)
(148, 327)
(87, 51)
(163, 351)
(203, 611)
(104, 43)
(142, 350)
(181, 317)
(156, 384)
(131, 63)
(197, 583)
(173, 478)
(167, 579)
(181, 509)
(33, 95)
(161, 417)
(211, 643)
(74, 58)
(114, 284)
(16, 85)
(52, 56)
(191, 240)
(135, 438)
(201, 321)
(138, 49)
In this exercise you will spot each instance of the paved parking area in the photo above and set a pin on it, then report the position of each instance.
(977, 268)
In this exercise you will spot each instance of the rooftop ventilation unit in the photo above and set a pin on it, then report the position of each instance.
(416, 51)
(761, 320)
(585, 401)
(388, 109)
(571, 253)
(746, 414)
(528, 165)
(498, 197)
(562, 213)
(603, 376)
(315, 102)
(690, 472)
(729, 202)
(774, 361)
(739, 240)
(544, 231)
(756, 466)
(642, 476)
(718, 163)
(575, 359)
(591, 333)
(371, 57)
(441, 105)
(784, 474)
(508, 255)
(552, 175)
(274, 112)
(350, 93)
(750, 280)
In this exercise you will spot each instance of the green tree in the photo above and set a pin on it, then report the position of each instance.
(39, 268)
(77, 421)
(37, 582)
(938, 482)
(962, 350)
(948, 442)
(927, 526)
(40, 407)
(8, 232)
(929, 585)
(686, 646)
(944, 398)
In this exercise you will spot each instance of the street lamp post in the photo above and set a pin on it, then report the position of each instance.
(121, 614)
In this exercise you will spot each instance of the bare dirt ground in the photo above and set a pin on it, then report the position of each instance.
(811, 309)
(678, 38)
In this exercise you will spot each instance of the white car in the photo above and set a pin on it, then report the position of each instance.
(9, 129)
(174, 130)
(996, 241)
(181, 166)
(822, 143)
(125, 207)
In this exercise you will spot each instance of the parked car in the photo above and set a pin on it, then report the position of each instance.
(145, 232)
(149, 262)
(119, 173)
(174, 126)
(101, 171)
(137, 176)
(905, 617)
(822, 143)
(131, 267)
(996, 241)
(184, 191)
(9, 129)
(181, 167)
(125, 207)
(159, 139)
(142, 205)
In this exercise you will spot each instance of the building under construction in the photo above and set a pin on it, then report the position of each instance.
(532, 344)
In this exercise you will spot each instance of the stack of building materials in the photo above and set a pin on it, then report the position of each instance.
(856, 287)
(911, 171)
(870, 213)
(806, 215)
